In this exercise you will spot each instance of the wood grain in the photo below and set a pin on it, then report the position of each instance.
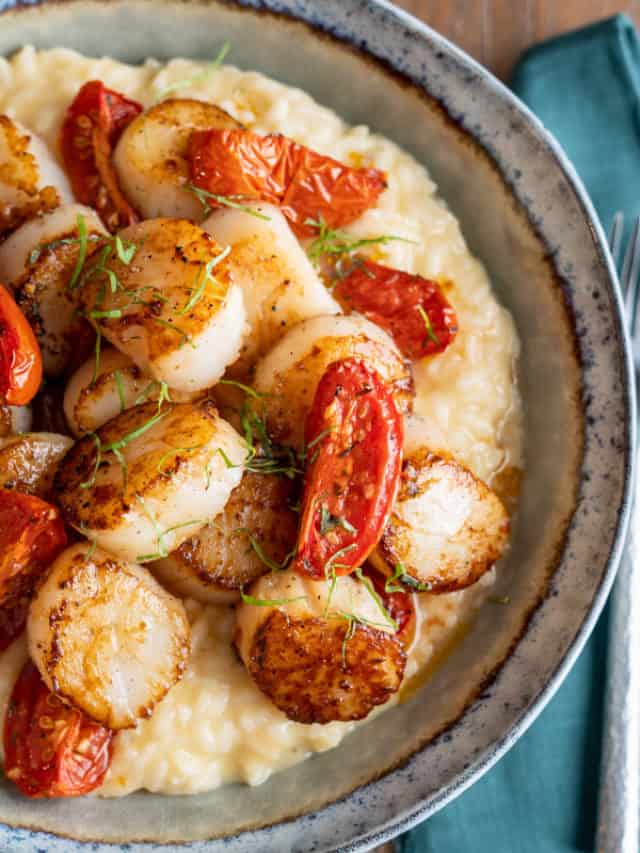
(495, 32)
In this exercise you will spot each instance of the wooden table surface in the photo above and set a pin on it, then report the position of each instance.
(495, 32)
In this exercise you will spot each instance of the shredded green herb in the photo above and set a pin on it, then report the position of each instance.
(259, 551)
(202, 277)
(124, 253)
(163, 549)
(235, 202)
(210, 69)
(268, 602)
(328, 522)
(374, 595)
(427, 322)
(117, 376)
(173, 452)
(82, 254)
(117, 446)
(166, 324)
(335, 242)
(96, 360)
(400, 574)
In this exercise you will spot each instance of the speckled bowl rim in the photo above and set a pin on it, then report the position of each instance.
(28, 839)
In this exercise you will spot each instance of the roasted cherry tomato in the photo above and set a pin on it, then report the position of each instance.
(353, 435)
(20, 359)
(412, 308)
(275, 169)
(93, 124)
(400, 605)
(52, 749)
(31, 536)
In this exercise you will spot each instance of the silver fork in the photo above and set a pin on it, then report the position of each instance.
(619, 802)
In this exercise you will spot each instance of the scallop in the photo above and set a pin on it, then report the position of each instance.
(255, 531)
(319, 653)
(106, 637)
(150, 478)
(94, 395)
(30, 179)
(38, 261)
(171, 305)
(151, 156)
(279, 285)
(447, 527)
(290, 372)
(28, 462)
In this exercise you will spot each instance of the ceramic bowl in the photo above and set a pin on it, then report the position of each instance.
(525, 214)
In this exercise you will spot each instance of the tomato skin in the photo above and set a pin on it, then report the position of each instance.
(93, 123)
(31, 536)
(354, 435)
(392, 299)
(52, 749)
(277, 170)
(20, 358)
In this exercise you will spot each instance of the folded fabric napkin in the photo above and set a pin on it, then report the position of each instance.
(542, 797)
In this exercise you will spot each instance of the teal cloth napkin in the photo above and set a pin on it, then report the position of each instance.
(542, 796)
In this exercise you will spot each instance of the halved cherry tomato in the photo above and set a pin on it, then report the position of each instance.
(399, 605)
(31, 536)
(354, 435)
(20, 358)
(412, 308)
(93, 124)
(275, 169)
(52, 749)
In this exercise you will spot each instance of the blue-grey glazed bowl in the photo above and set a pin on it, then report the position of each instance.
(526, 216)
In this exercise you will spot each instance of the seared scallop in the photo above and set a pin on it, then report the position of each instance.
(149, 478)
(255, 531)
(289, 374)
(151, 156)
(106, 637)
(30, 179)
(447, 527)
(319, 655)
(97, 393)
(28, 462)
(169, 303)
(279, 285)
(38, 261)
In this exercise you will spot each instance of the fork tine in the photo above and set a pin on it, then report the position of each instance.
(615, 236)
(629, 278)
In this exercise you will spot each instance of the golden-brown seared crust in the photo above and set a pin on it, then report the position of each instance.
(28, 462)
(435, 492)
(182, 246)
(20, 171)
(221, 554)
(319, 670)
(293, 390)
(102, 505)
(44, 296)
(181, 115)
(75, 658)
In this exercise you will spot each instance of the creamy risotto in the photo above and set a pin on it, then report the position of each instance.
(215, 726)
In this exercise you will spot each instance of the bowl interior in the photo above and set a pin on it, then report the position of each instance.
(522, 216)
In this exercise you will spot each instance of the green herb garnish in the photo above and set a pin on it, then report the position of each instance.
(234, 201)
(210, 69)
(400, 574)
(335, 242)
(427, 322)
